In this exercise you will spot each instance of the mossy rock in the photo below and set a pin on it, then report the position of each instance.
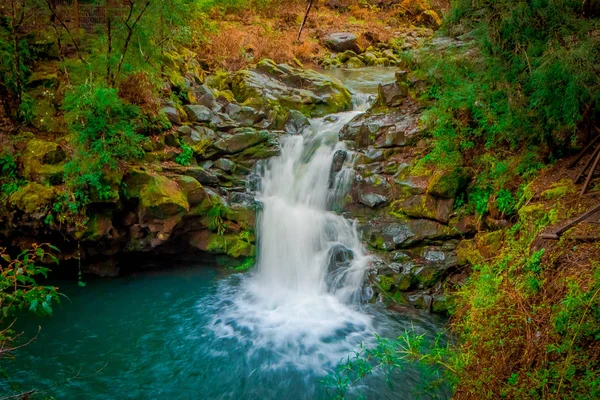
(162, 198)
(33, 198)
(269, 85)
(43, 161)
(559, 189)
(134, 181)
(448, 184)
(98, 226)
(230, 244)
(355, 62)
(193, 190)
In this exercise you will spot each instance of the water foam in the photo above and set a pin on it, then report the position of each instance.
(295, 305)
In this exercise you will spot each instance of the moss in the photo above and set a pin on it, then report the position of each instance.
(560, 189)
(230, 244)
(403, 282)
(33, 197)
(43, 161)
(448, 184)
(162, 198)
(386, 283)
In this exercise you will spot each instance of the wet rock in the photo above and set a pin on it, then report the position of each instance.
(384, 130)
(340, 258)
(331, 119)
(339, 157)
(244, 115)
(339, 42)
(198, 113)
(244, 199)
(193, 190)
(307, 91)
(391, 95)
(240, 140)
(225, 164)
(372, 200)
(200, 174)
(424, 206)
(254, 183)
(355, 62)
(296, 123)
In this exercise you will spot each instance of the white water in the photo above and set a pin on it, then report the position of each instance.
(294, 304)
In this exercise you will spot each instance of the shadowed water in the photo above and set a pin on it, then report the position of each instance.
(271, 334)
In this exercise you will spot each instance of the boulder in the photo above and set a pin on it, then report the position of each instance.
(161, 198)
(198, 113)
(395, 128)
(33, 198)
(296, 123)
(339, 42)
(241, 139)
(448, 184)
(269, 86)
(373, 200)
(43, 161)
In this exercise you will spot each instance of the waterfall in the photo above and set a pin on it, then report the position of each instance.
(303, 247)
(301, 304)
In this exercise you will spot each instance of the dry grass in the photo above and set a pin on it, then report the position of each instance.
(242, 37)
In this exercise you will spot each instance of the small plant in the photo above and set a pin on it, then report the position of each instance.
(185, 157)
(9, 178)
(215, 219)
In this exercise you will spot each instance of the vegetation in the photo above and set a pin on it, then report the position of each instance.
(515, 100)
(20, 292)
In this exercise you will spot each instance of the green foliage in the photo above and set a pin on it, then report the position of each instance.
(19, 290)
(410, 349)
(510, 102)
(105, 135)
(9, 178)
(186, 155)
(216, 215)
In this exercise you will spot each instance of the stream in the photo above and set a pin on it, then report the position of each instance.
(192, 331)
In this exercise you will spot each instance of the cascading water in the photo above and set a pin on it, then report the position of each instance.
(311, 263)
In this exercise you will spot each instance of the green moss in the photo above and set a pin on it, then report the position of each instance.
(560, 189)
(162, 198)
(386, 283)
(33, 197)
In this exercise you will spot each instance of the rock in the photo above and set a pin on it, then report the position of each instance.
(240, 140)
(202, 135)
(269, 86)
(448, 184)
(391, 95)
(193, 190)
(331, 119)
(424, 206)
(172, 139)
(225, 164)
(405, 234)
(345, 56)
(244, 199)
(339, 42)
(229, 244)
(369, 58)
(198, 113)
(161, 198)
(33, 198)
(198, 173)
(244, 115)
(43, 161)
(296, 123)
(172, 115)
(372, 200)
(395, 128)
(99, 226)
(355, 62)
(340, 258)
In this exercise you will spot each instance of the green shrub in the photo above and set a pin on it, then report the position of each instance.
(105, 136)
